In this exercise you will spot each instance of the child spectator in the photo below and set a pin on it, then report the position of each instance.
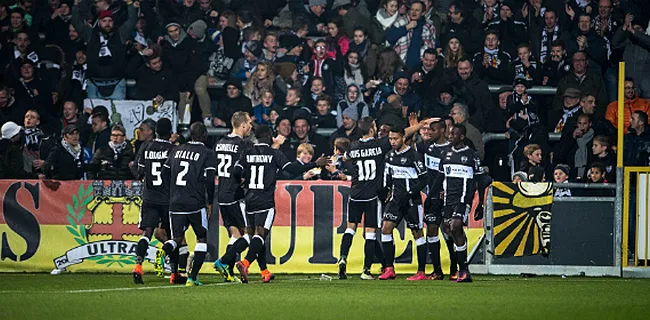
(561, 175)
(603, 153)
(520, 176)
(262, 111)
(335, 169)
(598, 175)
(533, 155)
(304, 168)
(324, 117)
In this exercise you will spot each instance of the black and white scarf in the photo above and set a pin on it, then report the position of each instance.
(598, 28)
(74, 151)
(495, 11)
(493, 57)
(117, 149)
(104, 51)
(545, 45)
(33, 138)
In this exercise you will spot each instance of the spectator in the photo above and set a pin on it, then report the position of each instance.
(113, 162)
(101, 130)
(585, 80)
(632, 103)
(156, 82)
(500, 115)
(187, 11)
(211, 12)
(15, 53)
(576, 149)
(315, 90)
(412, 102)
(523, 109)
(520, 176)
(603, 153)
(533, 158)
(11, 154)
(561, 175)
(303, 133)
(410, 36)
(56, 26)
(338, 42)
(525, 66)
(302, 168)
(391, 114)
(585, 39)
(262, 78)
(75, 83)
(367, 51)
(233, 101)
(286, 77)
(10, 108)
(16, 23)
(352, 100)
(427, 76)
(571, 109)
(67, 160)
(106, 52)
(262, 111)
(324, 117)
(474, 91)
(459, 114)
(180, 52)
(453, 53)
(542, 37)
(294, 47)
(512, 33)
(389, 64)
(145, 132)
(36, 143)
(354, 70)
(636, 151)
(430, 13)
(348, 129)
(383, 20)
(293, 104)
(635, 43)
(245, 66)
(325, 67)
(492, 64)
(31, 89)
(270, 48)
(72, 116)
(314, 15)
(222, 61)
(351, 17)
(598, 175)
(557, 67)
(337, 165)
(537, 174)
(465, 28)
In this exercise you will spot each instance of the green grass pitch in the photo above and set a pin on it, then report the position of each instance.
(113, 296)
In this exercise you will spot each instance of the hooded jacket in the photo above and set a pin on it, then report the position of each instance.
(11, 161)
(636, 150)
(105, 165)
(61, 165)
(362, 107)
(184, 58)
(477, 96)
(228, 106)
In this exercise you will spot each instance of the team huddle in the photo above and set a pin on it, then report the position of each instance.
(179, 190)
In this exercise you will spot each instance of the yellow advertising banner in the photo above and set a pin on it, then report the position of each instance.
(91, 226)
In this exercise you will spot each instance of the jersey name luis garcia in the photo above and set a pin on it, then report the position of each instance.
(228, 151)
(459, 167)
(432, 156)
(191, 167)
(260, 167)
(150, 159)
(402, 173)
(365, 160)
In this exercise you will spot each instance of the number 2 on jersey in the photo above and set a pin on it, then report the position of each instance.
(225, 161)
(367, 170)
(257, 176)
(179, 178)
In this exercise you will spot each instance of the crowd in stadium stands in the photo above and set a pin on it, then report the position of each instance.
(299, 65)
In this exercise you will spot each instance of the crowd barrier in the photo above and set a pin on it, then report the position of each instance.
(636, 225)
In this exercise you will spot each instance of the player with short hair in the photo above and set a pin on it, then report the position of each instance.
(459, 166)
(433, 203)
(230, 194)
(260, 167)
(192, 167)
(404, 176)
(155, 196)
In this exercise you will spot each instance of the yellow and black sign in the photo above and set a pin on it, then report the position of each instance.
(522, 218)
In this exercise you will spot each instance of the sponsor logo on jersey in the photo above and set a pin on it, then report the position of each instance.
(457, 171)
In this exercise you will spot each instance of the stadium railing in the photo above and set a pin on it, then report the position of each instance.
(636, 223)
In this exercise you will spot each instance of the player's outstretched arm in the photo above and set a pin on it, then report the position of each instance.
(415, 128)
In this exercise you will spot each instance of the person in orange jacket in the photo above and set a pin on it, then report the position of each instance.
(632, 103)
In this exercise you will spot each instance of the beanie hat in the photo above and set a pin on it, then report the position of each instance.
(313, 3)
(565, 168)
(197, 29)
(351, 113)
(254, 47)
(290, 41)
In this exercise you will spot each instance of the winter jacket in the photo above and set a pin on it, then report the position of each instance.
(497, 72)
(228, 106)
(636, 55)
(591, 82)
(401, 39)
(469, 32)
(106, 165)
(511, 34)
(629, 107)
(636, 150)
(61, 165)
(476, 94)
(11, 161)
(596, 50)
(185, 60)
(152, 83)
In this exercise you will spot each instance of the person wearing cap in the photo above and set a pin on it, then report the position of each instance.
(561, 175)
(348, 129)
(314, 13)
(106, 52)
(11, 153)
(411, 35)
(585, 80)
(184, 56)
(67, 160)
(245, 65)
(113, 161)
(234, 101)
(353, 100)
(303, 133)
(571, 108)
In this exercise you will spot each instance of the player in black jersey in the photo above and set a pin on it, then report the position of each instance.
(433, 204)
(155, 205)
(230, 194)
(191, 168)
(405, 176)
(459, 166)
(365, 165)
(260, 167)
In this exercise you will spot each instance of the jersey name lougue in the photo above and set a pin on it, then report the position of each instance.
(156, 155)
(187, 155)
